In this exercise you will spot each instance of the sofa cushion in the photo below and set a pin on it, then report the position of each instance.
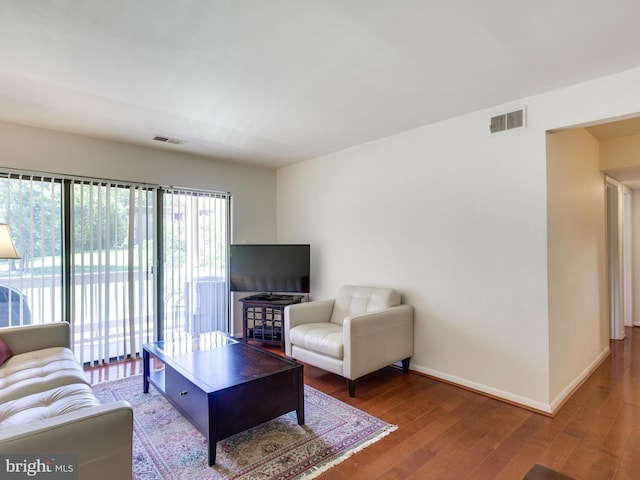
(47, 404)
(5, 352)
(324, 337)
(38, 371)
(356, 300)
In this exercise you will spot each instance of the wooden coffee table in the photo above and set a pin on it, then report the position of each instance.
(223, 386)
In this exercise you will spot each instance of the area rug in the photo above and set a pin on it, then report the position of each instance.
(167, 446)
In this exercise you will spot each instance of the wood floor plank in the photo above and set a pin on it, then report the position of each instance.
(558, 451)
(628, 467)
(473, 448)
(454, 443)
(408, 446)
(615, 443)
(584, 458)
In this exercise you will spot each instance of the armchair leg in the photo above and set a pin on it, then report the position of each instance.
(352, 387)
(405, 365)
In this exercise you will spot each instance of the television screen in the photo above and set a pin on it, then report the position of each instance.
(269, 268)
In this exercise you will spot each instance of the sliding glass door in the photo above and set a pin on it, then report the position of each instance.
(195, 245)
(125, 264)
(111, 257)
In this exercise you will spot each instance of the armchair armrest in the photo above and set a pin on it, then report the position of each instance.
(100, 436)
(301, 313)
(377, 339)
(27, 338)
(310, 312)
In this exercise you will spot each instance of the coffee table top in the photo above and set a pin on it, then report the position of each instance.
(214, 361)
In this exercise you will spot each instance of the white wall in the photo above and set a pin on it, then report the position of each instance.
(253, 189)
(436, 213)
(578, 298)
(457, 220)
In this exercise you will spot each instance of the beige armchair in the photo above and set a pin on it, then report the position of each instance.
(362, 330)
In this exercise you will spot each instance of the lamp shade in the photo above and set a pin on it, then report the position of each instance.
(7, 249)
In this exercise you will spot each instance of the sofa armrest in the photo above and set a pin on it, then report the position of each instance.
(101, 437)
(377, 339)
(28, 338)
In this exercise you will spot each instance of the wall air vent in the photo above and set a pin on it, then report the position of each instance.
(507, 121)
(174, 141)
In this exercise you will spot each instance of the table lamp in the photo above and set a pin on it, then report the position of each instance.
(7, 248)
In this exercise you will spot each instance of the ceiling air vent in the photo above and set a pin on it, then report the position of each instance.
(507, 121)
(174, 141)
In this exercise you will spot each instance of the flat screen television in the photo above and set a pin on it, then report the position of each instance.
(269, 268)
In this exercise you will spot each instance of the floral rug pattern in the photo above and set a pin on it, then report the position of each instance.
(167, 446)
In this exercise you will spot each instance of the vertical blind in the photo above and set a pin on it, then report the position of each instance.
(31, 287)
(112, 278)
(195, 242)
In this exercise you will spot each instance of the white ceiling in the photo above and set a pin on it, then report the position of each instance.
(273, 82)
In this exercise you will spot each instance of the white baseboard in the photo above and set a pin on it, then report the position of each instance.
(486, 390)
(586, 373)
(541, 407)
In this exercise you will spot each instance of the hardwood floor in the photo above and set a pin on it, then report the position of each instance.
(447, 433)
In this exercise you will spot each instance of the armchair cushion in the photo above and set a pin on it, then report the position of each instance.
(325, 338)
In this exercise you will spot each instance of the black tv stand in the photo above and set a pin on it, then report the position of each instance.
(263, 317)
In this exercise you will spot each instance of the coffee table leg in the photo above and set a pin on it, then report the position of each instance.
(212, 453)
(300, 409)
(145, 371)
(212, 433)
(300, 415)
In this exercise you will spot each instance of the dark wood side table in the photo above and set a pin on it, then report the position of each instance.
(263, 317)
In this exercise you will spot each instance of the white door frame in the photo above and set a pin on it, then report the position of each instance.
(618, 208)
(627, 256)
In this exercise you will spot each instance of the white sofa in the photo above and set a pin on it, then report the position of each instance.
(360, 331)
(48, 407)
